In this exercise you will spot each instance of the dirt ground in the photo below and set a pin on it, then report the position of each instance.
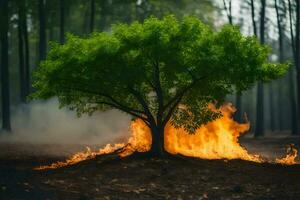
(143, 178)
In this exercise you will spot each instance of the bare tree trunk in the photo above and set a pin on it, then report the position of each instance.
(92, 19)
(42, 30)
(62, 22)
(259, 130)
(272, 113)
(26, 51)
(295, 49)
(238, 97)
(4, 66)
(103, 15)
(21, 52)
(293, 102)
(292, 96)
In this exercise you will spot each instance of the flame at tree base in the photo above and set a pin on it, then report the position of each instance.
(216, 140)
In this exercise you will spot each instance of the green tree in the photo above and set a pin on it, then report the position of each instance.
(148, 69)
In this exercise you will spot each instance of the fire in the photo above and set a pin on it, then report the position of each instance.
(139, 141)
(291, 154)
(215, 140)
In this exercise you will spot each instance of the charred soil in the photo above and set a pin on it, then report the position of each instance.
(136, 177)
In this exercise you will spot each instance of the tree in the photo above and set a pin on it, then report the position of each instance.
(62, 21)
(295, 43)
(23, 47)
(21, 51)
(92, 16)
(238, 100)
(42, 30)
(157, 71)
(280, 8)
(4, 65)
(259, 129)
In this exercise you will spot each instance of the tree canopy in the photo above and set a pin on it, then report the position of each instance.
(158, 70)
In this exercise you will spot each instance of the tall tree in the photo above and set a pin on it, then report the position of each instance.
(162, 71)
(92, 16)
(259, 129)
(4, 65)
(295, 42)
(280, 16)
(238, 100)
(103, 14)
(42, 30)
(62, 21)
(21, 51)
(23, 48)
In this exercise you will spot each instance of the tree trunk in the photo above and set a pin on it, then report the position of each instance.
(293, 103)
(238, 103)
(21, 52)
(297, 50)
(92, 17)
(42, 30)
(259, 131)
(62, 22)
(26, 51)
(259, 128)
(157, 148)
(103, 15)
(272, 113)
(4, 66)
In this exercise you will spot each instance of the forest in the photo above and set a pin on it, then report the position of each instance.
(150, 99)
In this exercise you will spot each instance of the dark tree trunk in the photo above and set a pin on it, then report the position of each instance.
(238, 97)
(92, 17)
(21, 52)
(292, 96)
(295, 47)
(4, 66)
(272, 113)
(62, 22)
(103, 14)
(157, 148)
(42, 30)
(259, 130)
(27, 57)
(293, 103)
(297, 50)
(238, 103)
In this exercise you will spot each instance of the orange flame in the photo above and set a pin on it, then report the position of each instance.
(216, 140)
(291, 154)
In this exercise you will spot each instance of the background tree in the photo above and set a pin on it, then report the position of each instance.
(5, 94)
(238, 100)
(259, 130)
(42, 30)
(62, 21)
(281, 13)
(157, 71)
(294, 22)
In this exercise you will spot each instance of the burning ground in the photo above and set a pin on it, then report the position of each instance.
(108, 177)
(215, 166)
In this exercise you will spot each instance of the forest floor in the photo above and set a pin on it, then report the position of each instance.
(143, 178)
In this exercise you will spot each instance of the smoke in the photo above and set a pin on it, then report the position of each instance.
(44, 122)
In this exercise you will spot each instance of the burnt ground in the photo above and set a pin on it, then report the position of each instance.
(107, 177)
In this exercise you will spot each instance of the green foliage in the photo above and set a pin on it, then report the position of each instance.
(148, 69)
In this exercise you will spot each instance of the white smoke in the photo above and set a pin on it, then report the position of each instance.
(44, 122)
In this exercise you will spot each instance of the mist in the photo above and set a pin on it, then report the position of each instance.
(43, 122)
